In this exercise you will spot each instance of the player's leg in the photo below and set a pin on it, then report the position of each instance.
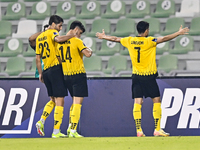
(154, 93)
(157, 112)
(78, 91)
(48, 107)
(75, 116)
(70, 122)
(46, 112)
(58, 116)
(69, 86)
(59, 92)
(137, 95)
(138, 116)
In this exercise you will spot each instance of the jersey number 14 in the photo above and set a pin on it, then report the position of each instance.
(67, 56)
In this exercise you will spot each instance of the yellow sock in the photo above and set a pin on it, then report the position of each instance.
(48, 109)
(58, 115)
(157, 115)
(75, 116)
(70, 113)
(137, 116)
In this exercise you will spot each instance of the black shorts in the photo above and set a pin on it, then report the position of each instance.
(54, 81)
(144, 86)
(77, 85)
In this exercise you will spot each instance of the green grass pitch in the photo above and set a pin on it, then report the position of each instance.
(103, 143)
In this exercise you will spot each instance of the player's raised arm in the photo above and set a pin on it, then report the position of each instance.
(107, 37)
(182, 31)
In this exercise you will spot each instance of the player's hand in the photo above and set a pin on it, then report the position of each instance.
(89, 49)
(73, 32)
(101, 35)
(70, 32)
(183, 31)
(41, 78)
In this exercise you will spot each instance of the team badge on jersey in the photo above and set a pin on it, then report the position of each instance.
(155, 40)
(55, 33)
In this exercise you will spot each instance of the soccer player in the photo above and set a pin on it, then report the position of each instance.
(51, 104)
(32, 42)
(52, 76)
(71, 54)
(142, 50)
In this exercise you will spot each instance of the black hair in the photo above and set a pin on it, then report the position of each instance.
(56, 19)
(45, 26)
(142, 26)
(75, 24)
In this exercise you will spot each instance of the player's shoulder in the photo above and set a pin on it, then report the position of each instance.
(51, 31)
(76, 39)
(150, 38)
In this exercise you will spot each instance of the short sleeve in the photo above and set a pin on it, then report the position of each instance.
(153, 41)
(81, 45)
(55, 33)
(124, 41)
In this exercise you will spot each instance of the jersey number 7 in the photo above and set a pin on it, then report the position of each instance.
(138, 50)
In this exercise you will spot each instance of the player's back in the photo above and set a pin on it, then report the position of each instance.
(142, 51)
(46, 47)
(71, 56)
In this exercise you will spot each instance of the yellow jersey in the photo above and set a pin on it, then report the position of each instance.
(142, 52)
(46, 47)
(71, 56)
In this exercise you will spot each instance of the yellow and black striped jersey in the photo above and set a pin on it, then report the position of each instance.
(71, 56)
(46, 47)
(142, 51)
